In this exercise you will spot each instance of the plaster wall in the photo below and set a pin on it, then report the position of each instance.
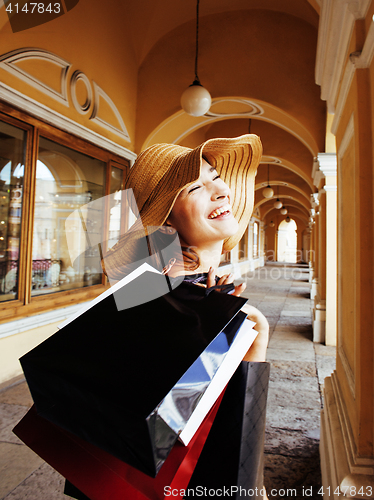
(92, 39)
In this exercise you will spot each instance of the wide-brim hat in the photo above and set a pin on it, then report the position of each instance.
(161, 172)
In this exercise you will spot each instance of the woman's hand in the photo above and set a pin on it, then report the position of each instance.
(257, 351)
(224, 280)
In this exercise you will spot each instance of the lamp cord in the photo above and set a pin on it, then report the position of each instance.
(197, 40)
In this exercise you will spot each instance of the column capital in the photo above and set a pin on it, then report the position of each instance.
(327, 164)
(324, 170)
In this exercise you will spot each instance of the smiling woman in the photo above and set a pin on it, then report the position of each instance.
(204, 193)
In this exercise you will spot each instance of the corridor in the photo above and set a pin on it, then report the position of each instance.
(298, 368)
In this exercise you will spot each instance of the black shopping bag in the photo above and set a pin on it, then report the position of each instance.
(103, 376)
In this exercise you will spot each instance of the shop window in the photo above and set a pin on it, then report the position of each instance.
(255, 239)
(12, 159)
(66, 182)
(47, 177)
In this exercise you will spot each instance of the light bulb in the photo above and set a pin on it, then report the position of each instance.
(277, 204)
(267, 192)
(283, 211)
(196, 100)
(271, 224)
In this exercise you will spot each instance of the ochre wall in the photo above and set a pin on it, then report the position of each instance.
(93, 40)
(355, 260)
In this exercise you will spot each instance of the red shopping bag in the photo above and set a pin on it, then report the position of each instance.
(102, 476)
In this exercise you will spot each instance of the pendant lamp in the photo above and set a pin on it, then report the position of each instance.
(283, 211)
(196, 100)
(277, 203)
(268, 192)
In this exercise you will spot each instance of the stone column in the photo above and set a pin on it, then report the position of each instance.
(324, 312)
(328, 167)
(315, 279)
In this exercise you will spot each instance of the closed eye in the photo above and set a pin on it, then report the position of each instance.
(193, 189)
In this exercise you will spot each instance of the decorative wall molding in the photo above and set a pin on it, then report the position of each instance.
(357, 60)
(254, 109)
(339, 465)
(76, 77)
(48, 115)
(8, 62)
(348, 135)
(335, 30)
(178, 126)
(95, 116)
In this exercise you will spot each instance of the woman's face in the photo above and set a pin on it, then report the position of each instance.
(202, 212)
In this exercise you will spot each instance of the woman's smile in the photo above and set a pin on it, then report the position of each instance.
(222, 212)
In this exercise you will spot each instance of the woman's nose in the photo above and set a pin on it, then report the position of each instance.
(221, 190)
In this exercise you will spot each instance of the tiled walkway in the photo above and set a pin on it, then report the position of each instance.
(298, 368)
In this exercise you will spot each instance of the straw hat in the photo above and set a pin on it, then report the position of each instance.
(161, 172)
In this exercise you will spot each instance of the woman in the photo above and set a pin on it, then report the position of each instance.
(206, 196)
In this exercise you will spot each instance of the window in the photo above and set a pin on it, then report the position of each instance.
(243, 246)
(46, 177)
(66, 180)
(12, 160)
(255, 240)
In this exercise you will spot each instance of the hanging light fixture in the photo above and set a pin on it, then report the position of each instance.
(196, 100)
(277, 203)
(268, 192)
(283, 211)
(271, 224)
(288, 219)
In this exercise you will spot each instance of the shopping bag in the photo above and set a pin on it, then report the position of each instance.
(99, 475)
(104, 375)
(232, 457)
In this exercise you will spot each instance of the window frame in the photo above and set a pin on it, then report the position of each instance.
(25, 304)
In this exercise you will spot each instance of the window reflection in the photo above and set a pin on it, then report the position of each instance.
(115, 208)
(65, 181)
(255, 240)
(12, 147)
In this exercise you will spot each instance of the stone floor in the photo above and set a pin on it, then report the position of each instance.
(298, 368)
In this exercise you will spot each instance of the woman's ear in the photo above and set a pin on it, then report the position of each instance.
(167, 229)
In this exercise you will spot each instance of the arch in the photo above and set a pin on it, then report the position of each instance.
(287, 241)
(258, 187)
(289, 197)
(179, 125)
(282, 162)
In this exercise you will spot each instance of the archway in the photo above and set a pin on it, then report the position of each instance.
(287, 241)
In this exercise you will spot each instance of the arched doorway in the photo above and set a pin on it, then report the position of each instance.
(287, 241)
